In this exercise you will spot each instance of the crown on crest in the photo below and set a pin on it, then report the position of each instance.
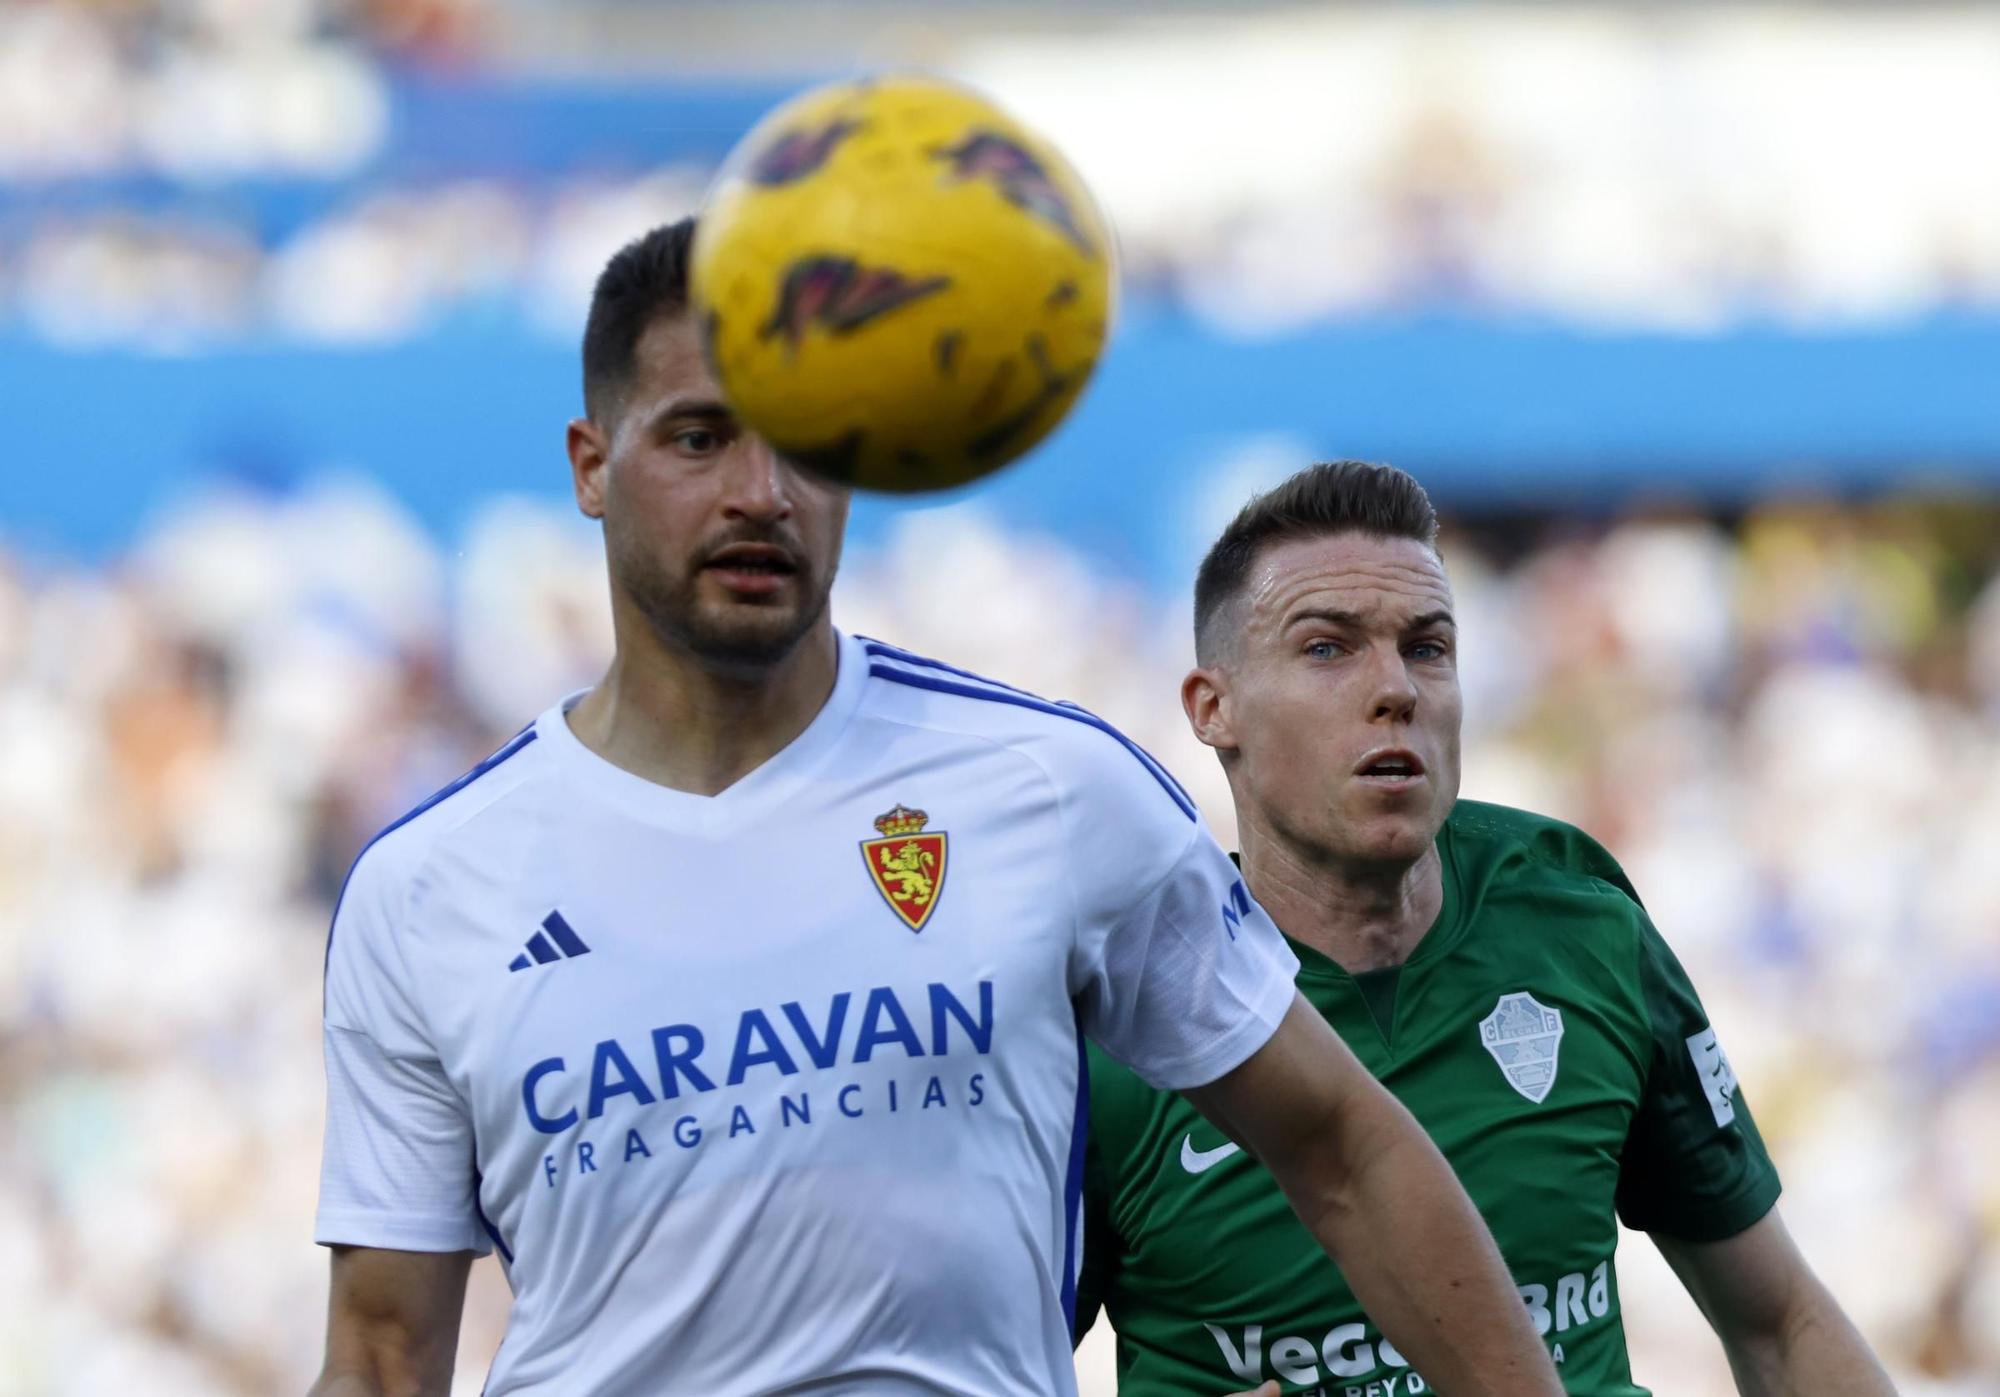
(901, 820)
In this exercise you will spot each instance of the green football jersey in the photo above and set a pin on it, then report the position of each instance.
(1550, 1043)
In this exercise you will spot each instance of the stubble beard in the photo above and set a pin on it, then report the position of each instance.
(733, 637)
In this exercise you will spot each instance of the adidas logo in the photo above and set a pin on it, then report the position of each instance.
(540, 952)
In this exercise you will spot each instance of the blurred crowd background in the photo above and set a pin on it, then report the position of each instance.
(1268, 166)
(1759, 660)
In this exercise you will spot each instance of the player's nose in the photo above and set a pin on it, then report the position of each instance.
(760, 482)
(1392, 692)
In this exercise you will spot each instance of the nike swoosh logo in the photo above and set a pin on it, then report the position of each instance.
(1201, 1161)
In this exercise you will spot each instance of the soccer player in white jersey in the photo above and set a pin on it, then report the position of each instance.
(739, 1003)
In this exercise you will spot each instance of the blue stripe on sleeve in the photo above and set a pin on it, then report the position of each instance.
(514, 744)
(1002, 694)
(881, 649)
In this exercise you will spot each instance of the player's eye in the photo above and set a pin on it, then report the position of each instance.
(698, 441)
(1322, 649)
(1429, 650)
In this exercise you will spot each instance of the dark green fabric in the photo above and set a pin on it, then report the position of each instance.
(1212, 1284)
(1684, 1173)
(1378, 992)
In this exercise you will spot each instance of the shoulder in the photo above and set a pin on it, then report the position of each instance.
(1518, 846)
(392, 861)
(1082, 755)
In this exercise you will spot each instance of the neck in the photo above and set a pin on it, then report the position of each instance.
(1361, 916)
(664, 714)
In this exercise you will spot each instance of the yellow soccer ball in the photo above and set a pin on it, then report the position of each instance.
(901, 287)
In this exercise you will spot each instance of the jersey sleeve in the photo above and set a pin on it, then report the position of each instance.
(398, 1164)
(1569, 847)
(1176, 972)
(1694, 1164)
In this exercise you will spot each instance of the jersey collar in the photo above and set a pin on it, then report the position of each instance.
(769, 786)
(1444, 933)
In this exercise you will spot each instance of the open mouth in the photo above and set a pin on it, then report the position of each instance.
(1391, 766)
(752, 573)
(752, 560)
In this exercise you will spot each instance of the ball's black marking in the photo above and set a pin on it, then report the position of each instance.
(945, 351)
(996, 440)
(1038, 350)
(796, 154)
(995, 390)
(1064, 293)
(840, 295)
(1020, 177)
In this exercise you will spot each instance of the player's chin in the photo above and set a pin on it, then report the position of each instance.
(1390, 836)
(758, 630)
(752, 605)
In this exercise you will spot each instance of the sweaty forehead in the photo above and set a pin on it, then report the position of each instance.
(1389, 578)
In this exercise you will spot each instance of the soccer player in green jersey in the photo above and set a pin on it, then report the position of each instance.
(1493, 968)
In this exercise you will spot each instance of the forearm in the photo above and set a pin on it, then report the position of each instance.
(1421, 1261)
(1817, 1352)
(370, 1381)
(346, 1384)
(1784, 1333)
(392, 1323)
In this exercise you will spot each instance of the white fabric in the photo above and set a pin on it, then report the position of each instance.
(762, 1136)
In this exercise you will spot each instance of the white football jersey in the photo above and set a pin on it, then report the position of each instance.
(782, 1089)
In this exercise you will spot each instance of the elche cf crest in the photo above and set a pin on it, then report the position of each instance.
(1523, 1035)
(907, 864)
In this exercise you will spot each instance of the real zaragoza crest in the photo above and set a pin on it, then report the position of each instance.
(1523, 1034)
(907, 864)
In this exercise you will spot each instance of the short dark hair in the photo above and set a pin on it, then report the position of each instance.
(1333, 497)
(645, 279)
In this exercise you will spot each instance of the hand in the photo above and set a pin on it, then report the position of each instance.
(1267, 1389)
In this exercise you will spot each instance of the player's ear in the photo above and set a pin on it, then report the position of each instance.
(1205, 700)
(589, 450)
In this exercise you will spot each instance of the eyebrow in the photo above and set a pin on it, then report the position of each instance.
(1356, 621)
(702, 409)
